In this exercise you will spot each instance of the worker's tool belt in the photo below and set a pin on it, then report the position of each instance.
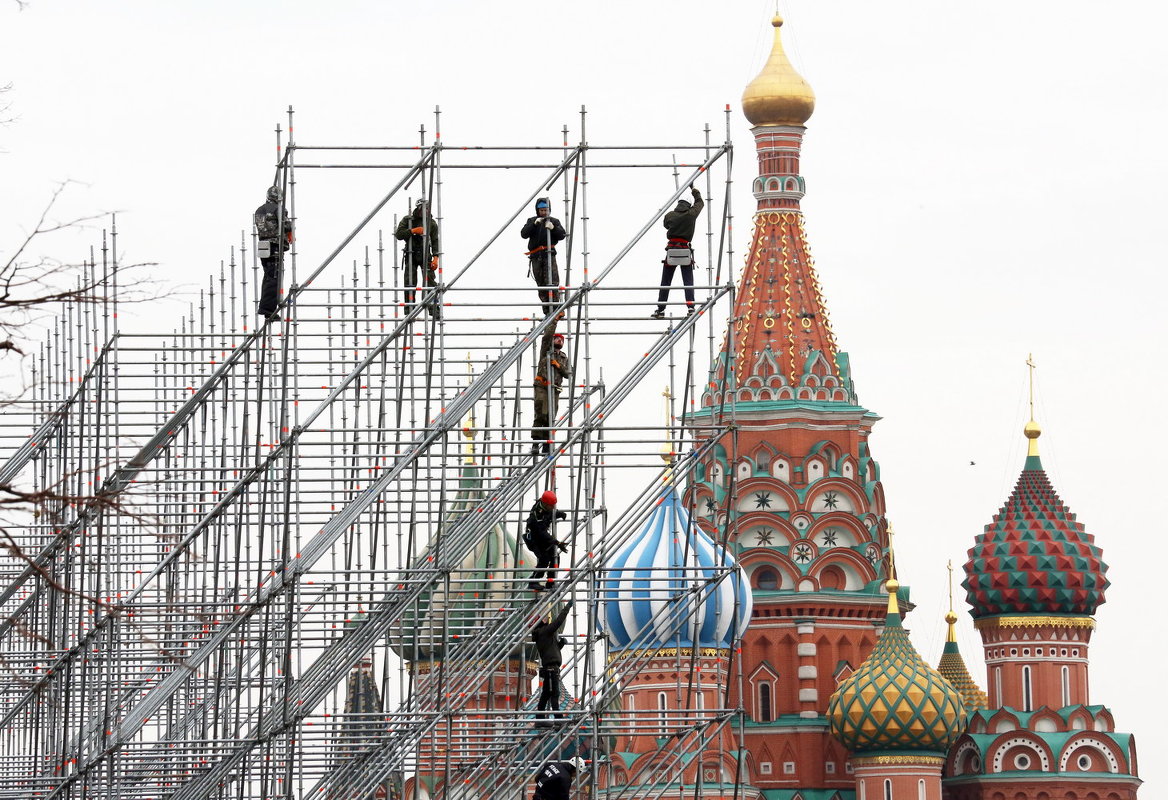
(264, 248)
(532, 253)
(542, 381)
(678, 253)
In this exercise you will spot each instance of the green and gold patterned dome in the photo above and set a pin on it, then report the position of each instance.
(895, 701)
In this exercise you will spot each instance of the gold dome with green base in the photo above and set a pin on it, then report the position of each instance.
(895, 701)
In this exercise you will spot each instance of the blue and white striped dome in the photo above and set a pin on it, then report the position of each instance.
(645, 595)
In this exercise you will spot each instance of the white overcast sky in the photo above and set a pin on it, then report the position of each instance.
(984, 180)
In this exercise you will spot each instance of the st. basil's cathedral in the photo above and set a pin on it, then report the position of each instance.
(806, 634)
(838, 703)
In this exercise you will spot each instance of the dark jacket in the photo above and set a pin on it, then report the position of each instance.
(267, 219)
(537, 532)
(552, 364)
(546, 636)
(539, 235)
(415, 243)
(554, 781)
(680, 222)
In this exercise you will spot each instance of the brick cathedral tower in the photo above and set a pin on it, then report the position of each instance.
(1034, 580)
(793, 483)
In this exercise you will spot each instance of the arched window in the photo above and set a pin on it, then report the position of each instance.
(1026, 696)
(765, 714)
(1066, 686)
(768, 579)
(998, 687)
(887, 789)
(920, 790)
(662, 704)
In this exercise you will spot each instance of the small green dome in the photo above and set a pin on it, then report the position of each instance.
(895, 701)
(478, 589)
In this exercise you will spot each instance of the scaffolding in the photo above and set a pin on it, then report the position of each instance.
(259, 570)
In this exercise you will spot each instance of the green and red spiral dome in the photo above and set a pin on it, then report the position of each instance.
(1034, 558)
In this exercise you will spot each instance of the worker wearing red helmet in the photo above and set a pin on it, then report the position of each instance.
(553, 365)
(539, 540)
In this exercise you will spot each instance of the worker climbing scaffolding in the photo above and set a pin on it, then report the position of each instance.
(419, 231)
(554, 780)
(548, 644)
(679, 228)
(540, 540)
(543, 232)
(552, 366)
(274, 232)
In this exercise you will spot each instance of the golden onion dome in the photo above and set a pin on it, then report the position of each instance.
(895, 701)
(778, 95)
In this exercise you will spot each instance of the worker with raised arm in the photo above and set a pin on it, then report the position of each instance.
(538, 538)
(274, 233)
(549, 643)
(552, 367)
(554, 779)
(679, 230)
(419, 231)
(543, 232)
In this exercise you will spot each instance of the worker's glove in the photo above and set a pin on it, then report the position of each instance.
(561, 515)
(562, 546)
(561, 641)
(695, 192)
(418, 230)
(434, 262)
(548, 224)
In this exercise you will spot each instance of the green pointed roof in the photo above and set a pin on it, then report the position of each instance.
(475, 588)
(952, 668)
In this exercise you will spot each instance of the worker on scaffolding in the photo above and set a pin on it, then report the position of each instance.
(553, 365)
(554, 779)
(538, 538)
(549, 643)
(419, 231)
(274, 233)
(679, 228)
(543, 232)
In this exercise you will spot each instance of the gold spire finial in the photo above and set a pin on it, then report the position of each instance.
(892, 584)
(1031, 430)
(667, 453)
(951, 617)
(778, 95)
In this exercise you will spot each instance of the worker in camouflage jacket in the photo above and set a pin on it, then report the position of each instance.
(419, 231)
(552, 366)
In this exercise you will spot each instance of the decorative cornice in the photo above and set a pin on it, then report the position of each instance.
(668, 652)
(867, 761)
(1034, 621)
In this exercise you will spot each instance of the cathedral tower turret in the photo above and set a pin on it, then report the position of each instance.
(794, 486)
(897, 716)
(1034, 579)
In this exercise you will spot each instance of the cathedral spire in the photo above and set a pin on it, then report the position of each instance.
(782, 335)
